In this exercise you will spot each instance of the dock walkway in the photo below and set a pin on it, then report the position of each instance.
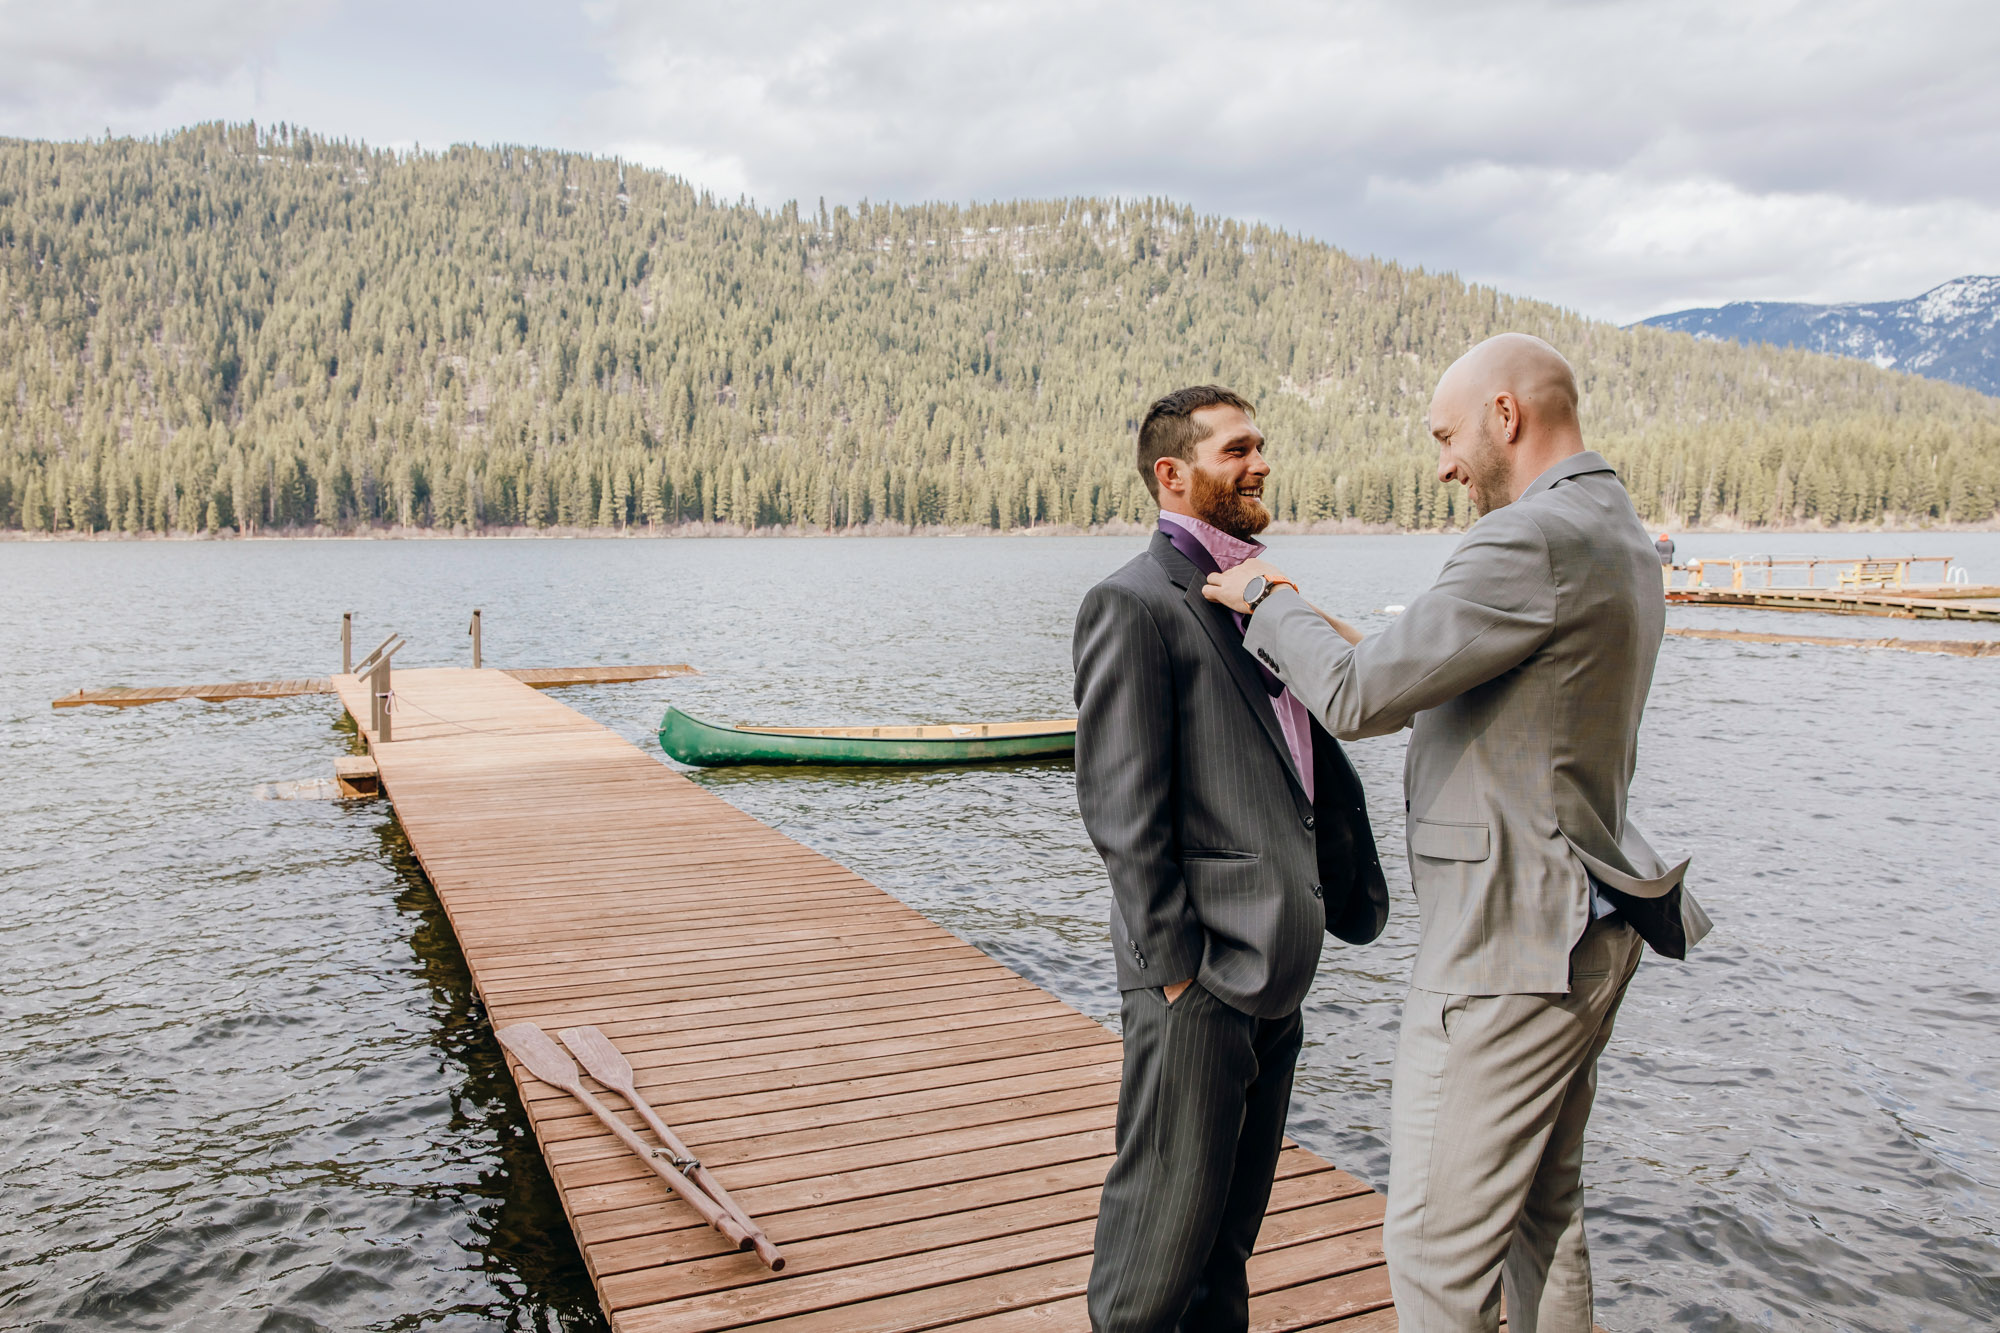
(922, 1130)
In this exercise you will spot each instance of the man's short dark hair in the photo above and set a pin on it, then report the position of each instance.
(1169, 430)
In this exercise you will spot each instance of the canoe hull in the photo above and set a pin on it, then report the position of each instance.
(705, 745)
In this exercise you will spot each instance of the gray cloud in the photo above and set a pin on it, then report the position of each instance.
(1620, 156)
(443, 71)
(115, 55)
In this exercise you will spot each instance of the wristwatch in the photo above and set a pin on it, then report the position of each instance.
(1259, 587)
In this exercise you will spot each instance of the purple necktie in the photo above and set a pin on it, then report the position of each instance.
(1190, 546)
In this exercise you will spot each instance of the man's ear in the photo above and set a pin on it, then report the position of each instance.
(1167, 471)
(1508, 408)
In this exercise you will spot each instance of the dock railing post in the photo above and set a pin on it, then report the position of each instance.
(378, 693)
(474, 632)
(346, 643)
(376, 668)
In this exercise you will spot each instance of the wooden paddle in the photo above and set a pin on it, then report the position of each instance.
(608, 1065)
(547, 1062)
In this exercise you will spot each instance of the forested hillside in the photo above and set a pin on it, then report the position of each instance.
(257, 330)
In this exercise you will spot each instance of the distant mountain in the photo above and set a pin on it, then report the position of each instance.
(1951, 332)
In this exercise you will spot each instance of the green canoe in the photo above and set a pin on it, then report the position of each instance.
(707, 745)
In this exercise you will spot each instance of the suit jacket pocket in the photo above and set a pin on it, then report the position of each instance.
(1223, 890)
(1212, 854)
(1450, 842)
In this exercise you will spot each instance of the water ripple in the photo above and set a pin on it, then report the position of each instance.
(246, 1085)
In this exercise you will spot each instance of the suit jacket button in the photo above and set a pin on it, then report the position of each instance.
(1309, 821)
(1142, 964)
(1319, 891)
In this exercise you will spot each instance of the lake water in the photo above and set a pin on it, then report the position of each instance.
(244, 1085)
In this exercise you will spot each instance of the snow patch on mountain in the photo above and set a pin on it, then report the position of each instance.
(1951, 332)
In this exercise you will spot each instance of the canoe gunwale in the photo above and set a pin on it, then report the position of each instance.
(980, 731)
(690, 740)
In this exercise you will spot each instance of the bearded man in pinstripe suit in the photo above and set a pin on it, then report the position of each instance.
(1234, 832)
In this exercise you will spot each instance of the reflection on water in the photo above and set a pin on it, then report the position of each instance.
(522, 1239)
(245, 1084)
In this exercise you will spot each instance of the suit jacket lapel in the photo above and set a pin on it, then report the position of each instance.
(1221, 627)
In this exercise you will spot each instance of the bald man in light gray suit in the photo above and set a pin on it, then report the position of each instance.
(1523, 674)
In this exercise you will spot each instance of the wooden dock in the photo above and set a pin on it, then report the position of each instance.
(1944, 647)
(922, 1130)
(542, 678)
(1898, 605)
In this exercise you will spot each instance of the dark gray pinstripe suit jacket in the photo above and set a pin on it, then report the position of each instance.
(1220, 868)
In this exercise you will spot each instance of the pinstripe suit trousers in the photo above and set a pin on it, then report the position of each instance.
(1201, 1117)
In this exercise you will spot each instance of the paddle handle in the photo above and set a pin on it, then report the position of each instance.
(687, 1189)
(760, 1242)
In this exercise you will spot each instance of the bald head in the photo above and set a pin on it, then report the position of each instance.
(1503, 414)
(1519, 364)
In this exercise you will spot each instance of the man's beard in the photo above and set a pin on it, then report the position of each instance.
(1489, 474)
(1215, 501)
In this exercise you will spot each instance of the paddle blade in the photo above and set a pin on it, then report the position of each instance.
(544, 1059)
(594, 1051)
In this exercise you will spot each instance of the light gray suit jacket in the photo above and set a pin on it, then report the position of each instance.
(1523, 672)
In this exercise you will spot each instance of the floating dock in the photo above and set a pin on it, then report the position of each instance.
(1945, 647)
(920, 1129)
(1898, 604)
(542, 678)
(1865, 585)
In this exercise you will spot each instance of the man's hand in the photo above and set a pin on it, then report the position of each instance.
(1175, 991)
(1227, 587)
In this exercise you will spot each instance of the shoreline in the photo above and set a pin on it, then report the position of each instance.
(1282, 528)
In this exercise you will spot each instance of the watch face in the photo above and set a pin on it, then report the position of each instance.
(1255, 589)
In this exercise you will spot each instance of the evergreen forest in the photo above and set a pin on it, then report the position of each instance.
(252, 329)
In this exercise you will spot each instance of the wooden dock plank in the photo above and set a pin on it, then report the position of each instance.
(541, 678)
(545, 678)
(922, 1129)
(130, 697)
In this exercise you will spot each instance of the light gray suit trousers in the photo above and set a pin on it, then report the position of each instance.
(1491, 1099)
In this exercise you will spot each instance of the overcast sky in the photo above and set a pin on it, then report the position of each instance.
(1620, 157)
